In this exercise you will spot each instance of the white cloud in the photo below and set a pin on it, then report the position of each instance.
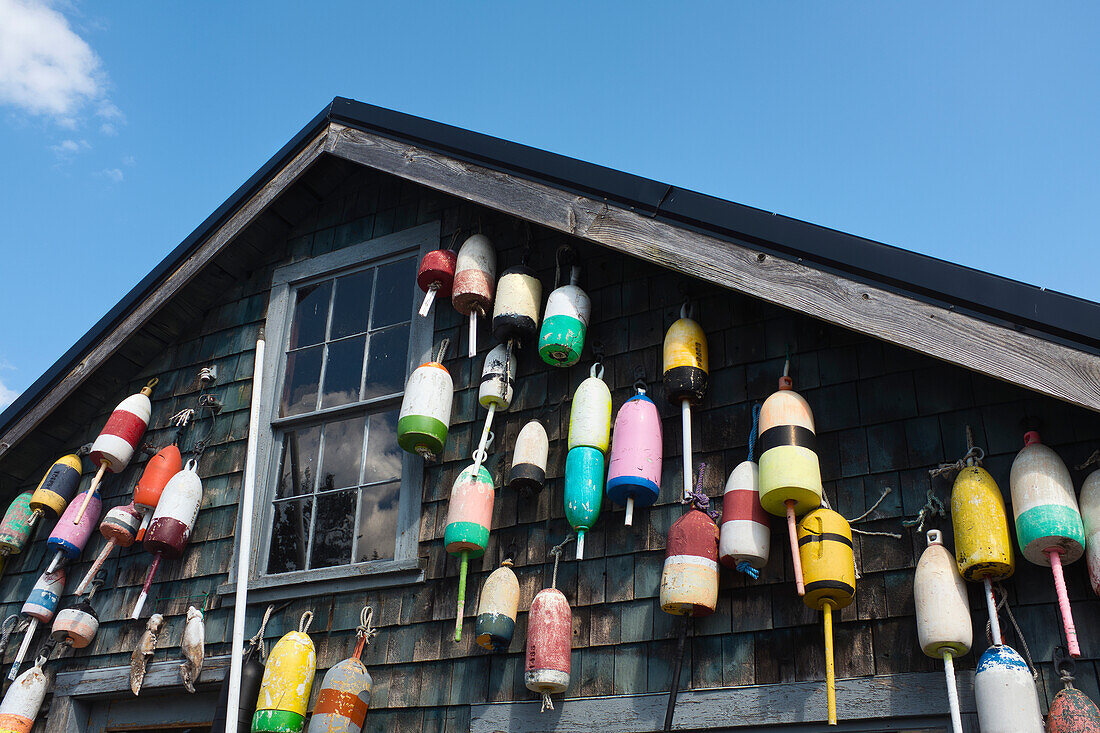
(114, 175)
(69, 148)
(7, 395)
(46, 68)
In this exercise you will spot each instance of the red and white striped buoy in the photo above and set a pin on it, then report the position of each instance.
(689, 579)
(474, 282)
(120, 437)
(745, 540)
(549, 641)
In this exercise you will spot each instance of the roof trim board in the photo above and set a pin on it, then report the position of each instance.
(1020, 358)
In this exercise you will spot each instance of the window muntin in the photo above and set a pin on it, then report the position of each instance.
(336, 494)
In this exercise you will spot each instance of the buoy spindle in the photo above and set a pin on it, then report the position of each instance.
(991, 608)
(792, 531)
(461, 593)
(472, 351)
(103, 466)
(629, 521)
(685, 416)
(146, 586)
(429, 298)
(24, 647)
(1055, 555)
(830, 671)
(952, 692)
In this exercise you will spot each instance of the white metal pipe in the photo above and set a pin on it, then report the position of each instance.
(248, 491)
(685, 411)
(952, 692)
(991, 607)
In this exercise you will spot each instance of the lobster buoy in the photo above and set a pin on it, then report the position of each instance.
(517, 304)
(116, 443)
(829, 568)
(564, 323)
(497, 608)
(120, 528)
(745, 537)
(584, 472)
(943, 614)
(685, 377)
(58, 487)
(1071, 711)
(40, 606)
(426, 411)
(689, 579)
(474, 282)
(16, 527)
(252, 675)
(288, 679)
(1005, 693)
(1048, 523)
(77, 624)
(436, 276)
(23, 700)
(790, 474)
(159, 470)
(590, 415)
(70, 536)
(549, 645)
(469, 518)
(344, 697)
(1090, 514)
(634, 470)
(528, 472)
(172, 522)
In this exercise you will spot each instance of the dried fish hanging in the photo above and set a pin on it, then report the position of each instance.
(549, 639)
(192, 648)
(144, 651)
(345, 690)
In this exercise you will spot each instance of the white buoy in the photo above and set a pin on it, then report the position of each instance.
(1090, 513)
(1005, 693)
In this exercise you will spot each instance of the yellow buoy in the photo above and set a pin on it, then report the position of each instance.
(829, 571)
(288, 679)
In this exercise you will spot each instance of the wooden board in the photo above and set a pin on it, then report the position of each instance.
(890, 697)
(1044, 366)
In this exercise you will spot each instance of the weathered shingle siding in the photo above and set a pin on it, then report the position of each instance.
(884, 417)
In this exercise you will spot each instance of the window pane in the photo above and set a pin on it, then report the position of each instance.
(289, 534)
(343, 372)
(332, 530)
(298, 465)
(343, 454)
(351, 307)
(310, 315)
(377, 522)
(383, 455)
(395, 285)
(388, 355)
(303, 371)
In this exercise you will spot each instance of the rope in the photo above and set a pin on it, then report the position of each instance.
(8, 629)
(885, 492)
(1093, 460)
(748, 570)
(933, 505)
(306, 620)
(365, 630)
(556, 551)
(755, 427)
(258, 639)
(999, 589)
(698, 499)
(442, 350)
(945, 468)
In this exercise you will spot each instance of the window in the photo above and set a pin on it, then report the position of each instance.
(339, 497)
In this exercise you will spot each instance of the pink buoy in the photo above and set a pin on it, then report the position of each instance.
(71, 534)
(634, 471)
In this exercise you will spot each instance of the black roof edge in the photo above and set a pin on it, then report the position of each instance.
(1066, 318)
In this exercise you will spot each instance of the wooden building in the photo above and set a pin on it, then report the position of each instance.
(897, 353)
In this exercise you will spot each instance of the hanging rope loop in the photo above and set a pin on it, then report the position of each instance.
(556, 551)
(442, 350)
(754, 430)
(596, 370)
(306, 620)
(257, 641)
(698, 498)
(687, 310)
(365, 629)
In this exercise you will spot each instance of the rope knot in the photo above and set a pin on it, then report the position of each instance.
(698, 498)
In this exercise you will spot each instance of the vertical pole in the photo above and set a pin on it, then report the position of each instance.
(28, 635)
(991, 607)
(461, 594)
(830, 672)
(580, 544)
(792, 531)
(685, 412)
(1055, 557)
(473, 333)
(952, 692)
(629, 511)
(104, 464)
(100, 559)
(248, 492)
(670, 710)
(429, 296)
(145, 588)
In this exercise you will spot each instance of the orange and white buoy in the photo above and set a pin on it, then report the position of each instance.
(345, 690)
(23, 700)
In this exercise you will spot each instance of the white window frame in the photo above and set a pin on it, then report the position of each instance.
(405, 567)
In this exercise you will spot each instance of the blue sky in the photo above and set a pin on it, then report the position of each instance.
(964, 131)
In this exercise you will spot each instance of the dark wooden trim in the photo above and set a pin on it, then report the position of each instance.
(184, 273)
(1019, 358)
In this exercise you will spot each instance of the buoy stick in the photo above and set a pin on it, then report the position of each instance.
(473, 333)
(792, 530)
(830, 672)
(28, 635)
(100, 559)
(629, 511)
(145, 588)
(479, 454)
(55, 562)
(1055, 557)
(3, 562)
(461, 594)
(670, 709)
(429, 297)
(685, 412)
(991, 606)
(580, 544)
(952, 692)
(145, 520)
(103, 466)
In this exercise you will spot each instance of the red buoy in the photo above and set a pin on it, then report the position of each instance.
(689, 580)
